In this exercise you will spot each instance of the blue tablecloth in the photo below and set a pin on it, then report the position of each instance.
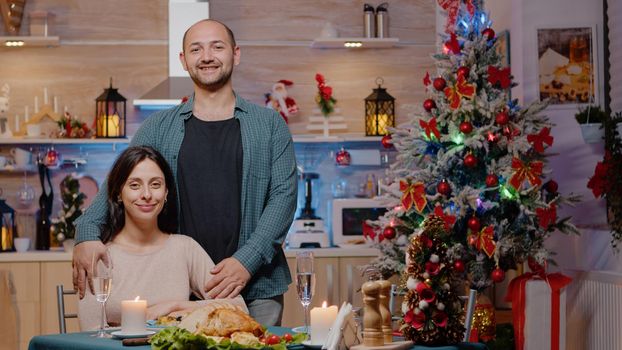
(84, 341)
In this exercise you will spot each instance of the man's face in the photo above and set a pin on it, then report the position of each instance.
(209, 55)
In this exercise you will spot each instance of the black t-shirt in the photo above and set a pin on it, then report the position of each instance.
(209, 171)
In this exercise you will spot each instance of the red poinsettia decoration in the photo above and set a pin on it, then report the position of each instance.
(417, 320)
(600, 183)
(538, 140)
(450, 220)
(547, 216)
(499, 76)
(426, 293)
(324, 98)
(440, 318)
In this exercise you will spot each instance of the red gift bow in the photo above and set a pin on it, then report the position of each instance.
(547, 216)
(450, 220)
(540, 139)
(484, 240)
(453, 7)
(458, 91)
(430, 128)
(413, 194)
(501, 76)
(530, 171)
(516, 295)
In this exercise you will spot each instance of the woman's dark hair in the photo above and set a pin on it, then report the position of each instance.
(120, 172)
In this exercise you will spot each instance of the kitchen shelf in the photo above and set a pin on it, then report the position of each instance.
(365, 43)
(309, 138)
(67, 141)
(30, 41)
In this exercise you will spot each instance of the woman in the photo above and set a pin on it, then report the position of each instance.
(148, 260)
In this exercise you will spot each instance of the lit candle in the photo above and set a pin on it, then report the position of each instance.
(55, 104)
(322, 318)
(109, 126)
(45, 96)
(36, 104)
(133, 315)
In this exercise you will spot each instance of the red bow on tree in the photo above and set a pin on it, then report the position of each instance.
(450, 220)
(413, 194)
(430, 128)
(484, 240)
(540, 139)
(501, 76)
(426, 79)
(453, 7)
(458, 91)
(452, 45)
(530, 171)
(547, 216)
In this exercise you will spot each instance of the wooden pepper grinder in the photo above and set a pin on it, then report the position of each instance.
(372, 320)
(385, 313)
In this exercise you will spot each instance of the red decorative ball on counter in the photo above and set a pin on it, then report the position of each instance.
(489, 33)
(492, 180)
(439, 84)
(444, 188)
(497, 275)
(473, 224)
(343, 157)
(551, 186)
(389, 232)
(386, 141)
(464, 71)
(502, 118)
(470, 161)
(429, 104)
(466, 127)
(459, 265)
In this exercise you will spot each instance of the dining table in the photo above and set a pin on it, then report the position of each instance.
(86, 341)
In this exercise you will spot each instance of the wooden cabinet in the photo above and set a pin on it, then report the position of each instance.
(54, 273)
(337, 279)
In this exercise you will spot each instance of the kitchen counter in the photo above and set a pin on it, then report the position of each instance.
(350, 251)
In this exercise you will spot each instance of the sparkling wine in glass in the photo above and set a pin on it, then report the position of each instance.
(305, 282)
(102, 285)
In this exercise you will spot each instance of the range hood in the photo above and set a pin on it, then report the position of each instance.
(181, 14)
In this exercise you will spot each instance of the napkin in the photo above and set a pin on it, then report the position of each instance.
(342, 328)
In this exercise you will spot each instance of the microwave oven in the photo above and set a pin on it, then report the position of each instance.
(349, 215)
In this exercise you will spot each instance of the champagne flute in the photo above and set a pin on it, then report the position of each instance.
(102, 284)
(305, 282)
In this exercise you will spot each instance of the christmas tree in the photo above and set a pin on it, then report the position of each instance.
(475, 159)
(73, 200)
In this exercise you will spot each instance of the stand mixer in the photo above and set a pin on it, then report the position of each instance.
(308, 231)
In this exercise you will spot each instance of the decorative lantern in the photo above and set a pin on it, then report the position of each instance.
(7, 227)
(110, 113)
(379, 111)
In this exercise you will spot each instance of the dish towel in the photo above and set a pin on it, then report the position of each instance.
(8, 316)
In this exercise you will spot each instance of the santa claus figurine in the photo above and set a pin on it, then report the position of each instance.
(280, 102)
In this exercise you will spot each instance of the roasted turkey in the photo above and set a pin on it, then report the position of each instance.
(224, 322)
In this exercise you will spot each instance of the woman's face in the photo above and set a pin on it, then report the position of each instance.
(144, 192)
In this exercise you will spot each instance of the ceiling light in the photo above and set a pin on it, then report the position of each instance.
(14, 43)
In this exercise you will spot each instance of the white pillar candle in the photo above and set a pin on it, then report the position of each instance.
(45, 96)
(16, 123)
(322, 318)
(26, 114)
(36, 104)
(55, 104)
(133, 314)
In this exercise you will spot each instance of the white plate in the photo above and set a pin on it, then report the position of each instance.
(300, 329)
(310, 345)
(126, 335)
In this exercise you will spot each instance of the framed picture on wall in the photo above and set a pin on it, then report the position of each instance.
(567, 71)
(503, 47)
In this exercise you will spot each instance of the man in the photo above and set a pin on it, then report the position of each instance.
(235, 171)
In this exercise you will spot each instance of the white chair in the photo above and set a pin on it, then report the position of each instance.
(62, 315)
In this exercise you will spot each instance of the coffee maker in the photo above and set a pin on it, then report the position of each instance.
(308, 230)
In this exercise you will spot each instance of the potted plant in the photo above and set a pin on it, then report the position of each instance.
(591, 120)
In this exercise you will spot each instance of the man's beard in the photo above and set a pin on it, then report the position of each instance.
(221, 81)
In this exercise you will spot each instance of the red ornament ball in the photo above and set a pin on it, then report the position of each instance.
(459, 265)
(492, 180)
(489, 33)
(497, 275)
(343, 157)
(386, 141)
(464, 71)
(429, 104)
(389, 232)
(470, 161)
(443, 188)
(473, 224)
(466, 127)
(439, 84)
(502, 118)
(551, 186)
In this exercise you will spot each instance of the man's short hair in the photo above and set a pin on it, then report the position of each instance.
(229, 32)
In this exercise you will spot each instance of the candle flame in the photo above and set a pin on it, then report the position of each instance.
(324, 304)
(137, 298)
